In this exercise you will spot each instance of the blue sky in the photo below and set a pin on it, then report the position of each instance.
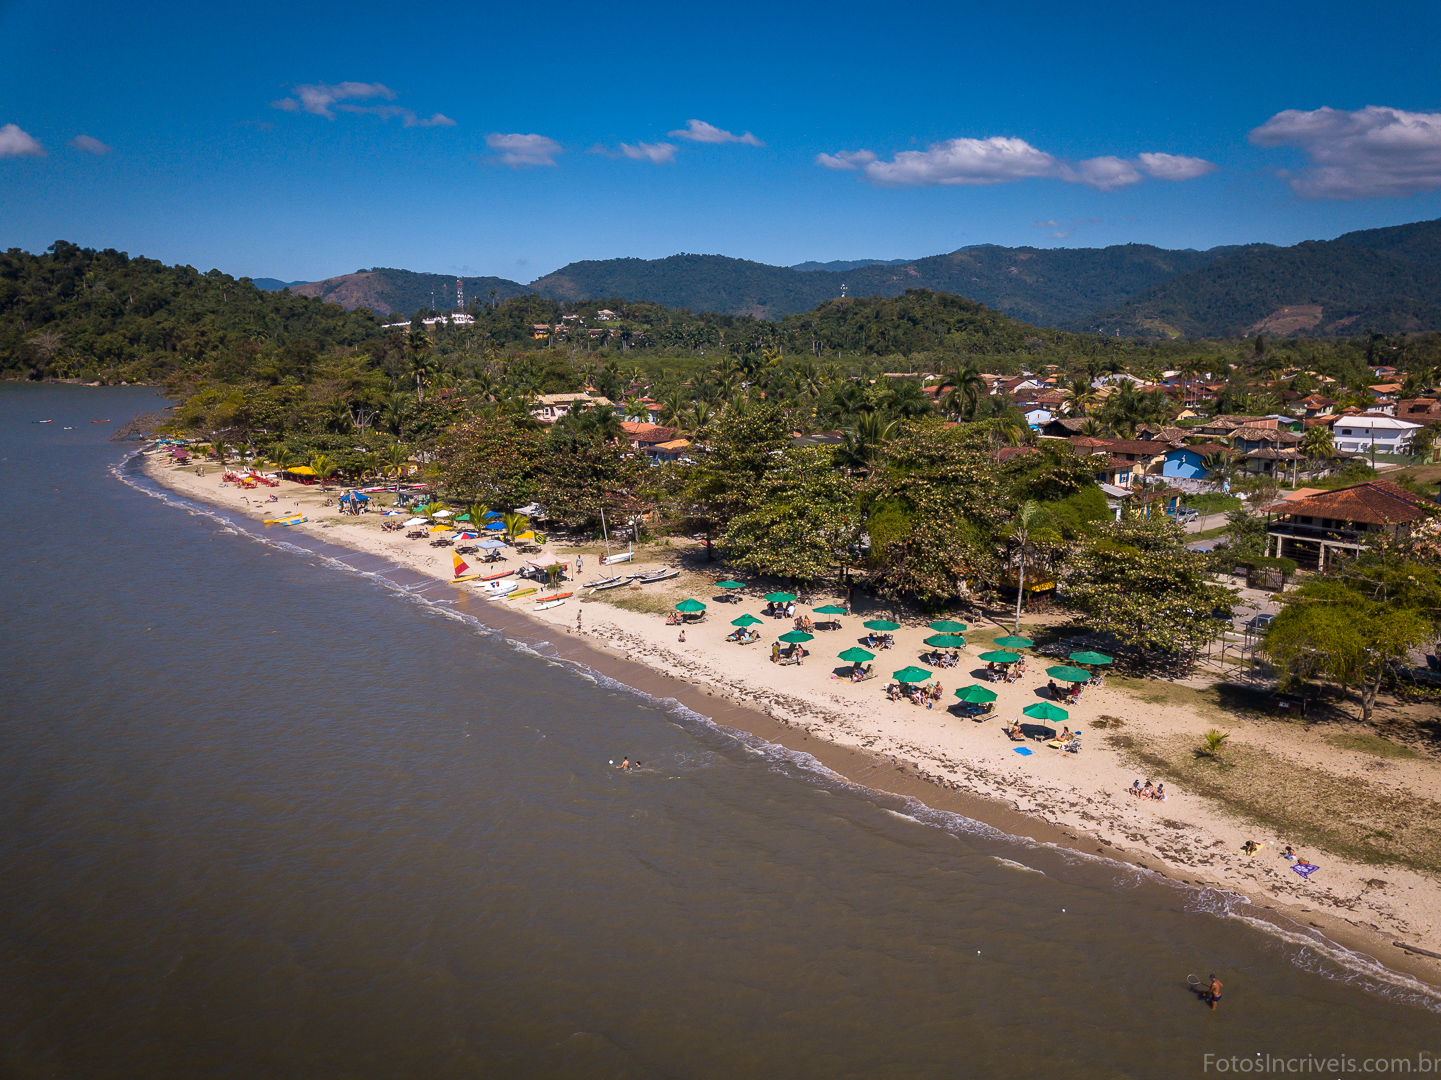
(300, 142)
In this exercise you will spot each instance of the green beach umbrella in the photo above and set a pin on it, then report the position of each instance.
(976, 695)
(1068, 674)
(999, 657)
(831, 609)
(780, 597)
(946, 641)
(911, 674)
(463, 517)
(949, 626)
(857, 656)
(691, 606)
(730, 585)
(881, 624)
(1010, 641)
(795, 637)
(1090, 658)
(1044, 710)
(745, 620)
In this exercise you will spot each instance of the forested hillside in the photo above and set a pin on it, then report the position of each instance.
(1375, 281)
(78, 313)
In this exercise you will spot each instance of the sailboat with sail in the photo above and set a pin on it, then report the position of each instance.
(619, 557)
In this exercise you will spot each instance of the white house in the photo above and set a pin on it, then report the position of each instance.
(1359, 434)
(1038, 415)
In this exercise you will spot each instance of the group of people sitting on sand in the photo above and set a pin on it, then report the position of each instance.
(780, 611)
(790, 654)
(916, 693)
(1006, 672)
(879, 641)
(743, 635)
(805, 624)
(1148, 791)
(1069, 694)
(941, 658)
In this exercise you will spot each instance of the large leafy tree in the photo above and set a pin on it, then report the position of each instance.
(1137, 580)
(742, 444)
(934, 504)
(579, 475)
(800, 520)
(1338, 629)
(491, 460)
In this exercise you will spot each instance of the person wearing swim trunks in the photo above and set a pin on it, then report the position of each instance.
(624, 764)
(1213, 994)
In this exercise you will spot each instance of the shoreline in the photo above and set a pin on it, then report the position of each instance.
(625, 645)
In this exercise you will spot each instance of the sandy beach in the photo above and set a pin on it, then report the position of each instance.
(953, 762)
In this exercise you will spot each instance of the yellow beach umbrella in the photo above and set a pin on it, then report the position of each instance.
(301, 470)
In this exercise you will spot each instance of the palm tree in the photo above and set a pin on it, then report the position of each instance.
(1031, 524)
(477, 512)
(1220, 466)
(961, 392)
(674, 406)
(910, 401)
(862, 444)
(515, 524)
(421, 362)
(1080, 397)
(700, 414)
(282, 458)
(1316, 445)
(322, 465)
(396, 458)
(218, 448)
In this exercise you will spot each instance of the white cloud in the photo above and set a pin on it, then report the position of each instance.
(996, 160)
(700, 131)
(1174, 166)
(1002, 160)
(17, 143)
(1102, 173)
(1370, 152)
(325, 99)
(845, 159)
(655, 153)
(319, 98)
(89, 145)
(523, 150)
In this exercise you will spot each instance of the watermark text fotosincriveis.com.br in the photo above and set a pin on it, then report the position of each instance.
(1422, 1064)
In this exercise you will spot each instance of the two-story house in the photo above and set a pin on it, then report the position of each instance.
(1309, 529)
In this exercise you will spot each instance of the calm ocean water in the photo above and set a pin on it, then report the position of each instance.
(270, 814)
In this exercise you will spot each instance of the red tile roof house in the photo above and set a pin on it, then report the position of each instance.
(1308, 530)
(643, 435)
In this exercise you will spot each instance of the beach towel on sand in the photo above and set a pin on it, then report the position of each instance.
(1024, 751)
(1305, 869)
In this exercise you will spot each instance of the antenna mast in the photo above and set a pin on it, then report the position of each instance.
(459, 295)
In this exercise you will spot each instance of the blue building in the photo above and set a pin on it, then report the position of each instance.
(1184, 462)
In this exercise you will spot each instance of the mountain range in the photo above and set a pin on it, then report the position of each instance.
(1374, 281)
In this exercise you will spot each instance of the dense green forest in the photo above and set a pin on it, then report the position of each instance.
(78, 313)
(1386, 280)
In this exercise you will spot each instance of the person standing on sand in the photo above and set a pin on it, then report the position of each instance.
(1213, 993)
(577, 622)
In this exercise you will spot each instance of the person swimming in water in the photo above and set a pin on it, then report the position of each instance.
(624, 764)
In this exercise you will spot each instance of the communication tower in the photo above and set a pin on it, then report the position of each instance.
(844, 287)
(459, 295)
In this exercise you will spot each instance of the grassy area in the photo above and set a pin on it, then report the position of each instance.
(1208, 534)
(1212, 502)
(1357, 819)
(1218, 698)
(1372, 744)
